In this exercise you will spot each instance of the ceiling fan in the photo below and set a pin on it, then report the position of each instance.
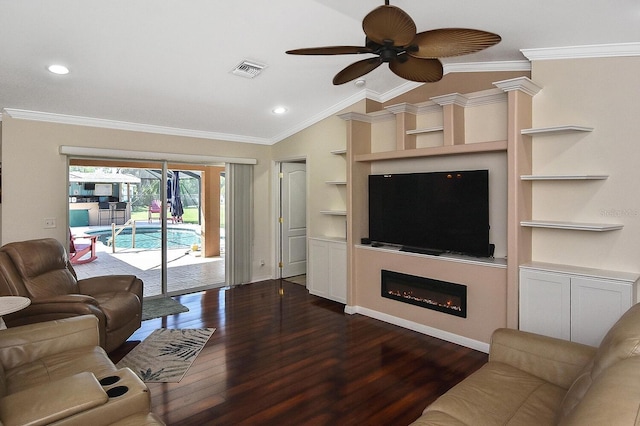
(391, 36)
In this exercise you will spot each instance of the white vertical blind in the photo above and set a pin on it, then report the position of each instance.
(239, 223)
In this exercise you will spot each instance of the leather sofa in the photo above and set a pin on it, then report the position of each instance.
(538, 380)
(40, 270)
(55, 372)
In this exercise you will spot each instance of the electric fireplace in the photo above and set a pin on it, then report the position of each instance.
(442, 296)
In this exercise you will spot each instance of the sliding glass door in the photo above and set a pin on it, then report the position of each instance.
(159, 221)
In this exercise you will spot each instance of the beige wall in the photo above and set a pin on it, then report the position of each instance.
(35, 176)
(603, 94)
(315, 145)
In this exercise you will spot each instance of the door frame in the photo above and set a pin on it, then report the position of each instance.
(276, 208)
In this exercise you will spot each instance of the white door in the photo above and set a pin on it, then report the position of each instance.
(293, 211)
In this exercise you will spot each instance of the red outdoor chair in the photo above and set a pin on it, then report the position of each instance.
(78, 251)
(155, 207)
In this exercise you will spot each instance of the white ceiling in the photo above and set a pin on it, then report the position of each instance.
(166, 64)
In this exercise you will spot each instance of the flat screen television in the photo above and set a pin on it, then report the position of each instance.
(435, 212)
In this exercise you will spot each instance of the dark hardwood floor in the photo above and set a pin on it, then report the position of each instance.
(282, 356)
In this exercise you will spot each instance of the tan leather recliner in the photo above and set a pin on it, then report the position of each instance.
(40, 270)
(53, 372)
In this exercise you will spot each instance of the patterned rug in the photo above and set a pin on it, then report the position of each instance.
(160, 307)
(166, 355)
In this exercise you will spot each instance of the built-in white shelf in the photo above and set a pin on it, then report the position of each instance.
(555, 130)
(564, 177)
(575, 226)
(336, 182)
(334, 212)
(425, 130)
(339, 152)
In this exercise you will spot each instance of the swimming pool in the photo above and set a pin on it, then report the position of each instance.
(151, 238)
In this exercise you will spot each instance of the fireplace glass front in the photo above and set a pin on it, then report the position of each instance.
(442, 296)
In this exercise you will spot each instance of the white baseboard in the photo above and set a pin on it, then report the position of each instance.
(420, 328)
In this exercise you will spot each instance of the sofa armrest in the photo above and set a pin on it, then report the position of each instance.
(111, 283)
(66, 298)
(52, 401)
(59, 307)
(554, 360)
(27, 343)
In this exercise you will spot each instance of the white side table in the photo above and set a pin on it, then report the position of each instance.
(10, 304)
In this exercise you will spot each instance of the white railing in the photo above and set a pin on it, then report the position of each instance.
(114, 233)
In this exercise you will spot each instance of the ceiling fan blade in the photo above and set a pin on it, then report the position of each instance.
(417, 69)
(357, 69)
(446, 42)
(389, 23)
(330, 50)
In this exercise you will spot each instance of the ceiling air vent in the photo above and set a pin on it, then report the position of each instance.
(248, 69)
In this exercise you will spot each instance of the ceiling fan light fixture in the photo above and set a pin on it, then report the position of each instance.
(391, 36)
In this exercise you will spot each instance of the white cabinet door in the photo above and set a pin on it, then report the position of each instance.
(338, 272)
(327, 275)
(318, 273)
(545, 303)
(596, 304)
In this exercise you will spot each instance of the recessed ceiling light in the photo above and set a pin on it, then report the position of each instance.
(279, 110)
(58, 69)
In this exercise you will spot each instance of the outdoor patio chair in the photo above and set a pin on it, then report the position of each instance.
(41, 271)
(155, 208)
(78, 251)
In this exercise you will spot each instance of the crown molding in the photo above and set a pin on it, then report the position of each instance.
(329, 112)
(403, 107)
(575, 52)
(486, 66)
(49, 117)
(523, 84)
(393, 93)
(371, 117)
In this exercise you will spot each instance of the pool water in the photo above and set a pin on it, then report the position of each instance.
(151, 238)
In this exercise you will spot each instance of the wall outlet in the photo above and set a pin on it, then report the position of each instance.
(49, 222)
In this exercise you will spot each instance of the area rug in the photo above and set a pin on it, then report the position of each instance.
(166, 355)
(154, 308)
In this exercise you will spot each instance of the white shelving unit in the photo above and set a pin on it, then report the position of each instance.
(564, 177)
(425, 130)
(555, 130)
(575, 226)
(340, 183)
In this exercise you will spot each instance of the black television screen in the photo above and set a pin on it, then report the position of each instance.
(437, 211)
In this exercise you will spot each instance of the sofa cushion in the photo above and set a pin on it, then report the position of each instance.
(612, 399)
(496, 394)
(622, 341)
(53, 367)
